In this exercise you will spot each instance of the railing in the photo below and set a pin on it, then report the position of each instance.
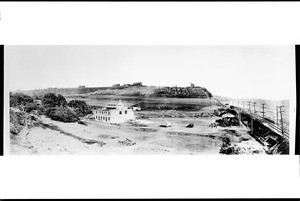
(261, 119)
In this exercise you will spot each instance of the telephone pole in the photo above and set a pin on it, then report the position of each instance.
(281, 120)
(252, 126)
(249, 106)
(277, 115)
(254, 107)
(263, 108)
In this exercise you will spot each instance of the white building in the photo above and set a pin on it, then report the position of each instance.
(114, 113)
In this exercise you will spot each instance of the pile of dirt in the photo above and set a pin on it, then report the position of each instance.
(230, 148)
(220, 111)
(227, 122)
(126, 142)
(136, 123)
(104, 136)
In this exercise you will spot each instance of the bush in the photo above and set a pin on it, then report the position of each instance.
(63, 114)
(19, 99)
(50, 100)
(29, 107)
(80, 107)
(17, 121)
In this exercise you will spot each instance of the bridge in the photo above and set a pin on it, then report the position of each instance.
(263, 129)
(267, 123)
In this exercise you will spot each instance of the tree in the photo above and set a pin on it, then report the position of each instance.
(63, 114)
(61, 100)
(19, 99)
(80, 107)
(51, 100)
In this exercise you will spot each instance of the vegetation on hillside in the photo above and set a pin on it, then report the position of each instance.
(25, 111)
(191, 91)
(19, 99)
(80, 107)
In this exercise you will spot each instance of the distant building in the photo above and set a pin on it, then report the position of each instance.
(126, 85)
(137, 84)
(81, 87)
(114, 113)
(116, 85)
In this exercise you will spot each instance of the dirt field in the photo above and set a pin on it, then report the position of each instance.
(142, 136)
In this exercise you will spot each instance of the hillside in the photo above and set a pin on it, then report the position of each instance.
(144, 91)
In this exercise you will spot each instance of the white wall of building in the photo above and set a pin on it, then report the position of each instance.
(114, 116)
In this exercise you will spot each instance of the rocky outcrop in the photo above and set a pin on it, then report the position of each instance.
(182, 92)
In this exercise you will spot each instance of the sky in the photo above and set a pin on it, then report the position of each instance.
(231, 71)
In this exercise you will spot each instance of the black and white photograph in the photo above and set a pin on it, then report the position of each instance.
(150, 100)
(180, 100)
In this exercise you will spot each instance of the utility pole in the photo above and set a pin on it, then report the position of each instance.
(281, 120)
(254, 107)
(263, 108)
(252, 126)
(277, 115)
(249, 106)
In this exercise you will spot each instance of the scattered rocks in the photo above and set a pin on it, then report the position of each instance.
(82, 122)
(239, 148)
(126, 142)
(137, 123)
(228, 122)
(165, 125)
(104, 136)
(146, 129)
(190, 125)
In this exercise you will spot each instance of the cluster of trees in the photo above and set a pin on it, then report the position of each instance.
(182, 92)
(53, 106)
(19, 99)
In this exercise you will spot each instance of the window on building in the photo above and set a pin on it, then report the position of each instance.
(125, 111)
(120, 112)
(108, 118)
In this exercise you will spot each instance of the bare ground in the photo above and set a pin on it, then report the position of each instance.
(143, 136)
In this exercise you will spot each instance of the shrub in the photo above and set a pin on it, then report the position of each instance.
(29, 107)
(51, 100)
(19, 99)
(80, 107)
(17, 120)
(63, 114)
